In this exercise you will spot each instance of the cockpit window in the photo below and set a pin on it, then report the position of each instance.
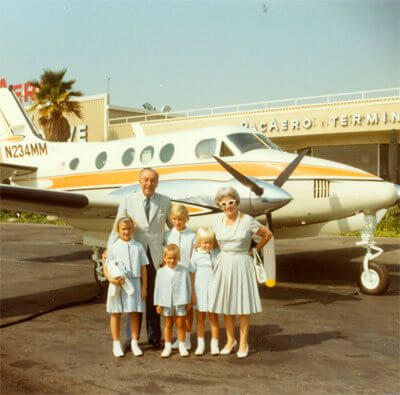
(247, 142)
(206, 148)
(225, 151)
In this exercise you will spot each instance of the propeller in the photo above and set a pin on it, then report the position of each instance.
(240, 177)
(279, 181)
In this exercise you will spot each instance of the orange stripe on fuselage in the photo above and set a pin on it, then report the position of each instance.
(252, 169)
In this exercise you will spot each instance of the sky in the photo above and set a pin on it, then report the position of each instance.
(203, 53)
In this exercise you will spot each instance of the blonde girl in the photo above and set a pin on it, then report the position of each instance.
(125, 270)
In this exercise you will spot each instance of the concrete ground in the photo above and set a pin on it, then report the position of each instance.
(316, 335)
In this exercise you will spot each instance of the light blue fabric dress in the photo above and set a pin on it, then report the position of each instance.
(130, 256)
(234, 288)
(203, 264)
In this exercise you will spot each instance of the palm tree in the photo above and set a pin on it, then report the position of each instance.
(53, 100)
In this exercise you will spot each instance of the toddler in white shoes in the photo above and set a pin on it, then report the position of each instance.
(172, 296)
(202, 261)
(125, 270)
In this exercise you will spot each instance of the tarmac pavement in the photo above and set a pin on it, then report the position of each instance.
(316, 335)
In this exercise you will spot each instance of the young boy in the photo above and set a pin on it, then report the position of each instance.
(172, 296)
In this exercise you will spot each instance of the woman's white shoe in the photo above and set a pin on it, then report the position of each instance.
(226, 350)
(243, 354)
(117, 349)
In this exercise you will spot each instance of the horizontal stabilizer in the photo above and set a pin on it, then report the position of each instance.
(65, 204)
(7, 170)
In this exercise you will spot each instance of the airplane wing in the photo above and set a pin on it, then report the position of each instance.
(43, 201)
(7, 170)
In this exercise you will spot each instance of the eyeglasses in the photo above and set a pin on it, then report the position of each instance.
(227, 204)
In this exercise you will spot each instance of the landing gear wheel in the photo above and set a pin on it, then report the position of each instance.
(378, 281)
(99, 277)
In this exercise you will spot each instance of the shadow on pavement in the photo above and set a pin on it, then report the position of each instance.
(35, 303)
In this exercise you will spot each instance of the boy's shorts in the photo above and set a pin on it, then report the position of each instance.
(179, 311)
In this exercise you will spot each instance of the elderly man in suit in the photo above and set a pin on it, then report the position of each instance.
(150, 212)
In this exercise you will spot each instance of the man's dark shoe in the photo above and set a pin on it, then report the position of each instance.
(156, 344)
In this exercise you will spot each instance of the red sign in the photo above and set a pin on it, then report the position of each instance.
(25, 92)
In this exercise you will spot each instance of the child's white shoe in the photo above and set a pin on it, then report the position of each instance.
(200, 346)
(182, 350)
(188, 343)
(214, 347)
(117, 349)
(137, 352)
(167, 350)
(175, 344)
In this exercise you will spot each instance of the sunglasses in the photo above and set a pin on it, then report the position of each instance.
(227, 204)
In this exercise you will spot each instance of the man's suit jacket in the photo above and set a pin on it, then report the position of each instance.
(149, 233)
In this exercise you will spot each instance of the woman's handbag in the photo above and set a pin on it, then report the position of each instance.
(261, 274)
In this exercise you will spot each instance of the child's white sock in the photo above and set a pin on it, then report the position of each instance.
(214, 346)
(182, 350)
(188, 344)
(117, 349)
(200, 346)
(175, 344)
(167, 350)
(137, 352)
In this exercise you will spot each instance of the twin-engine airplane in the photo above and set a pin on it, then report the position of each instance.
(83, 182)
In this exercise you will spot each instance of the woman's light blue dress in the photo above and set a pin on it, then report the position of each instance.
(234, 288)
(130, 256)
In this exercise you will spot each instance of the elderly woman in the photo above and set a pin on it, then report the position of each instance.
(234, 289)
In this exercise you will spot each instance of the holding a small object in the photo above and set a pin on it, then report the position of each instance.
(126, 271)
(172, 296)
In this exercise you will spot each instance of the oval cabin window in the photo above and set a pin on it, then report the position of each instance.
(74, 164)
(128, 156)
(166, 152)
(101, 160)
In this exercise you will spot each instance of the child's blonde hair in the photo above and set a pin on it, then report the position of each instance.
(205, 233)
(123, 220)
(171, 248)
(180, 211)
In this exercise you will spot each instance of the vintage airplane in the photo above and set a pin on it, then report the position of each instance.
(83, 182)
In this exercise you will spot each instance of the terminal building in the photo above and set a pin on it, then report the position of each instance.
(361, 129)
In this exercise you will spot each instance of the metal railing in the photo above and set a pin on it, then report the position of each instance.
(234, 108)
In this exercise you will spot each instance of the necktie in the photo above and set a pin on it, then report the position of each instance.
(147, 207)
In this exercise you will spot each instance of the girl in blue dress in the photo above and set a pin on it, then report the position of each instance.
(127, 274)
(203, 260)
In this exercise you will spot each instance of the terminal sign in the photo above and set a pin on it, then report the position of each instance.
(25, 92)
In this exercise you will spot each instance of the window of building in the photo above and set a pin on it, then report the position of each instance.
(147, 154)
(166, 152)
(74, 164)
(128, 156)
(206, 148)
(362, 156)
(101, 160)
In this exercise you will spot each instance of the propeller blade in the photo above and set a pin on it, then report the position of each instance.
(269, 222)
(290, 168)
(241, 177)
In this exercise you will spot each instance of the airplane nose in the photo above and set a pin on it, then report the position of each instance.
(397, 188)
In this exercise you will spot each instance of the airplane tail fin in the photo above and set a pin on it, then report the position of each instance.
(15, 123)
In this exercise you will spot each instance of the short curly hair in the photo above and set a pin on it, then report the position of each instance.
(227, 191)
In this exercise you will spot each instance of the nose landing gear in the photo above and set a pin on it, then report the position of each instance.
(373, 277)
